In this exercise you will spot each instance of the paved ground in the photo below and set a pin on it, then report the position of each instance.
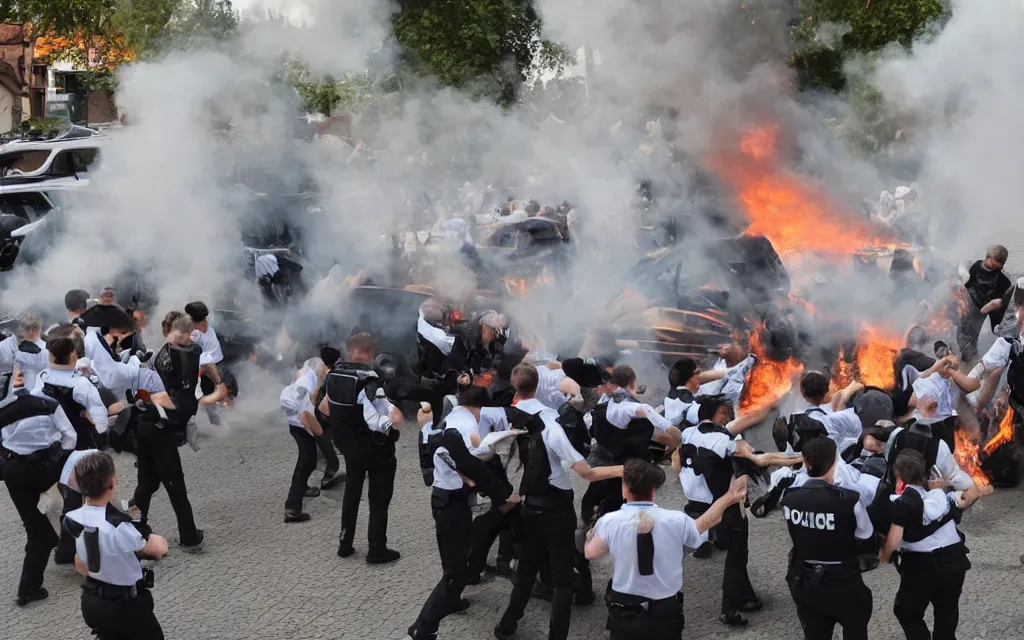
(261, 579)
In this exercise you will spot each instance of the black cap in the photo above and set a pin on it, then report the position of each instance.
(104, 315)
(873, 405)
(198, 311)
(586, 373)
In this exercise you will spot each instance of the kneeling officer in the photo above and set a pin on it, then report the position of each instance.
(116, 601)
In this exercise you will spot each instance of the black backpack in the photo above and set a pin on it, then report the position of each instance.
(534, 455)
(575, 428)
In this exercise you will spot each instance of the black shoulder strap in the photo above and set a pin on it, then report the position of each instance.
(26, 406)
(27, 346)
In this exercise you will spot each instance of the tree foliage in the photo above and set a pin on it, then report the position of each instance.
(484, 47)
(872, 25)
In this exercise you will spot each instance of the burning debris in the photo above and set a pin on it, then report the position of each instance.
(873, 358)
(768, 380)
(788, 210)
(994, 462)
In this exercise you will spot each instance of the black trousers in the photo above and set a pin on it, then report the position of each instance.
(488, 527)
(821, 606)
(926, 580)
(549, 534)
(734, 531)
(26, 480)
(66, 547)
(326, 445)
(664, 622)
(452, 521)
(122, 618)
(305, 465)
(377, 464)
(159, 463)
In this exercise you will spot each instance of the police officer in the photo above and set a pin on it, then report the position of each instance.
(454, 469)
(825, 523)
(364, 425)
(116, 601)
(75, 393)
(297, 405)
(549, 516)
(647, 544)
(933, 559)
(29, 353)
(36, 435)
(161, 431)
(204, 335)
(70, 492)
(705, 465)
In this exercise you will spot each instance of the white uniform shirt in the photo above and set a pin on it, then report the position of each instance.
(936, 505)
(31, 363)
(113, 374)
(375, 412)
(560, 450)
(38, 432)
(673, 531)
(676, 410)
(445, 475)
(621, 413)
(435, 335)
(83, 392)
(731, 386)
(69, 466)
(297, 398)
(944, 391)
(695, 487)
(844, 427)
(118, 562)
(846, 477)
(547, 387)
(210, 344)
(8, 347)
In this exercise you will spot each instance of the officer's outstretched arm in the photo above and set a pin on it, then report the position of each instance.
(596, 474)
(744, 422)
(737, 491)
(80, 567)
(156, 547)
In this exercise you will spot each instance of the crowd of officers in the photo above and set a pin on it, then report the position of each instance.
(861, 476)
(82, 386)
(854, 487)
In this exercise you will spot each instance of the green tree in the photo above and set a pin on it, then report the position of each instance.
(484, 47)
(872, 25)
(201, 23)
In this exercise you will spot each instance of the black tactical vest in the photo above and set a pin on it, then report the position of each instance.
(575, 428)
(910, 438)
(427, 451)
(914, 529)
(803, 428)
(822, 523)
(26, 406)
(716, 470)
(88, 438)
(534, 454)
(343, 384)
(621, 444)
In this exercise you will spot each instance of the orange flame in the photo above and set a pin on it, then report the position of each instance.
(966, 455)
(1004, 435)
(788, 210)
(842, 373)
(874, 356)
(768, 380)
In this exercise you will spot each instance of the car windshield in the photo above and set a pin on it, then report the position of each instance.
(22, 162)
(30, 205)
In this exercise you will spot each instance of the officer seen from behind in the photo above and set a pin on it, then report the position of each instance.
(116, 602)
(825, 523)
(549, 515)
(363, 423)
(647, 544)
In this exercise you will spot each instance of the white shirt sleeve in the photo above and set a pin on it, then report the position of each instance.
(841, 425)
(864, 527)
(375, 420)
(113, 374)
(435, 336)
(950, 470)
(558, 443)
(998, 355)
(659, 421)
(32, 361)
(691, 537)
(67, 432)
(212, 353)
(8, 347)
(127, 539)
(85, 394)
(493, 419)
(722, 445)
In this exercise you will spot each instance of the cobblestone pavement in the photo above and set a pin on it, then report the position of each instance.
(261, 579)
